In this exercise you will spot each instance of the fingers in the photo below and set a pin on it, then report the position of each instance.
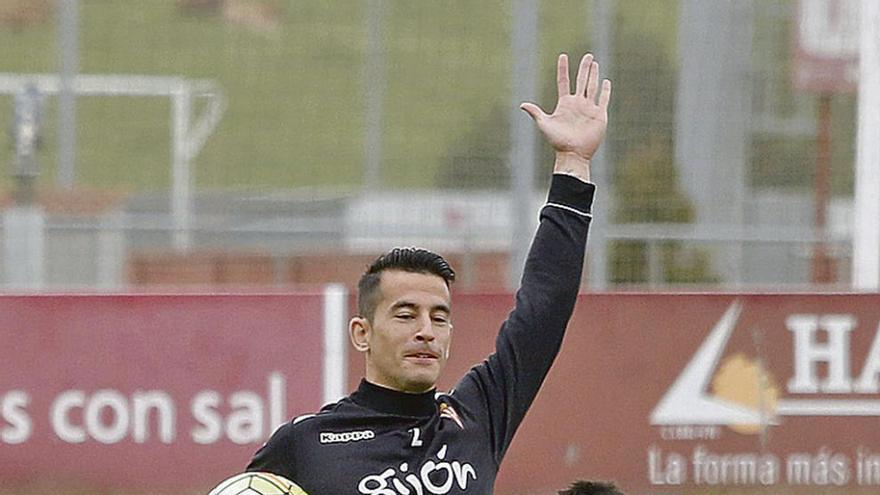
(563, 85)
(605, 97)
(586, 84)
(593, 83)
(533, 110)
(584, 70)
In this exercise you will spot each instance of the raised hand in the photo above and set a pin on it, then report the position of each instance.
(577, 125)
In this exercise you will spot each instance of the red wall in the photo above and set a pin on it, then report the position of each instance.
(593, 418)
(102, 352)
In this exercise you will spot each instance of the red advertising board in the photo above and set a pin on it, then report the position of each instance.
(666, 394)
(710, 393)
(150, 392)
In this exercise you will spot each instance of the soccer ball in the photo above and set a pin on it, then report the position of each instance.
(257, 484)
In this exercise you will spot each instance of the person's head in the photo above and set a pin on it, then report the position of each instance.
(582, 487)
(404, 322)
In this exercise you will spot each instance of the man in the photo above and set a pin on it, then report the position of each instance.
(591, 488)
(395, 435)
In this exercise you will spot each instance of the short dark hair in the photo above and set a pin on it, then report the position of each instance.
(582, 487)
(408, 259)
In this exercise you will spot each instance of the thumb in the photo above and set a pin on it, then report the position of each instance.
(533, 110)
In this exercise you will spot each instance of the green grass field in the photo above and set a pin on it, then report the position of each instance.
(295, 114)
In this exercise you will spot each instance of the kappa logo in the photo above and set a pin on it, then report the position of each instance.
(744, 395)
(346, 436)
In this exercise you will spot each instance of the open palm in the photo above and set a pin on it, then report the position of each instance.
(577, 124)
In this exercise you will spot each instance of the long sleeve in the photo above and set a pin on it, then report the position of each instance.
(529, 340)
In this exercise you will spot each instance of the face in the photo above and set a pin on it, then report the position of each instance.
(407, 341)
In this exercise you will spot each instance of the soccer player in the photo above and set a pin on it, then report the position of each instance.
(395, 435)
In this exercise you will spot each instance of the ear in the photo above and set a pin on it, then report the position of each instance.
(359, 331)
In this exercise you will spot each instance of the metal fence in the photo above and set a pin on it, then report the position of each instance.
(344, 128)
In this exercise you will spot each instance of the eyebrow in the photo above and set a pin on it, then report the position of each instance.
(411, 305)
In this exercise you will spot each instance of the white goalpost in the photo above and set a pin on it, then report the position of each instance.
(866, 229)
(188, 132)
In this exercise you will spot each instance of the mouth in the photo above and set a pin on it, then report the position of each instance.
(422, 356)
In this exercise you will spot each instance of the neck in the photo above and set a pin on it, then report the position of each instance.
(390, 401)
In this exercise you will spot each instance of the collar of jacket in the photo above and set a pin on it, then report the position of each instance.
(390, 401)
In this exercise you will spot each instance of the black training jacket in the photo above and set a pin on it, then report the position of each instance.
(382, 442)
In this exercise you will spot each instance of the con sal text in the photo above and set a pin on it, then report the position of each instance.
(109, 416)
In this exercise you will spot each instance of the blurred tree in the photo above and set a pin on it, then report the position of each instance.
(647, 187)
(647, 192)
(645, 176)
(479, 159)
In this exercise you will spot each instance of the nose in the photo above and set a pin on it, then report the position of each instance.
(425, 331)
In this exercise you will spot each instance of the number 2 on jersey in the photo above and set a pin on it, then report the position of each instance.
(416, 437)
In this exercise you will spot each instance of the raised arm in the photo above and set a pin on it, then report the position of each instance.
(531, 336)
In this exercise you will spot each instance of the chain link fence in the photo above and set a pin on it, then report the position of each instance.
(335, 130)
